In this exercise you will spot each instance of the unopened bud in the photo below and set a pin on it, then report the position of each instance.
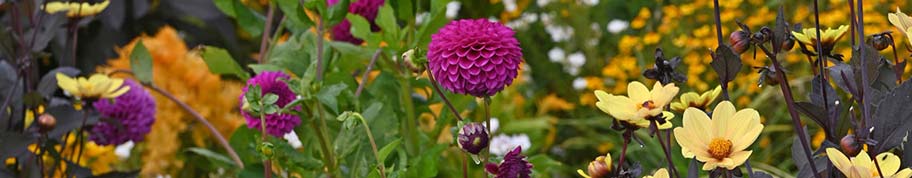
(788, 44)
(411, 62)
(473, 137)
(850, 145)
(740, 41)
(46, 122)
(879, 41)
(600, 167)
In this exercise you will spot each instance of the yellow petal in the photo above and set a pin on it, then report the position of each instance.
(661, 173)
(688, 139)
(863, 160)
(720, 117)
(710, 165)
(114, 84)
(889, 163)
(745, 128)
(686, 152)
(905, 173)
(67, 84)
(662, 95)
(581, 173)
(668, 116)
(699, 122)
(711, 95)
(678, 106)
(802, 38)
(840, 161)
(736, 159)
(638, 92)
(117, 93)
(619, 107)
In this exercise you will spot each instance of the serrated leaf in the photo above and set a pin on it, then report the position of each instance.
(14, 144)
(328, 95)
(907, 153)
(220, 62)
(836, 74)
(726, 63)
(386, 150)
(141, 63)
(871, 63)
(360, 27)
(211, 155)
(891, 118)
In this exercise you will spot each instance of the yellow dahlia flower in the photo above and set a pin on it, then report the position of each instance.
(719, 142)
(808, 37)
(862, 166)
(699, 101)
(600, 167)
(641, 103)
(97, 86)
(902, 22)
(76, 9)
(661, 173)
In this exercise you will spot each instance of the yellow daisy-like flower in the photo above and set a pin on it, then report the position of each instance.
(719, 142)
(76, 9)
(96, 86)
(902, 22)
(661, 173)
(600, 167)
(641, 103)
(808, 37)
(862, 166)
(699, 101)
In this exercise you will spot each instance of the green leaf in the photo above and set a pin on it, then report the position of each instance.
(298, 21)
(406, 12)
(211, 155)
(360, 27)
(220, 62)
(141, 63)
(337, 12)
(328, 95)
(245, 16)
(387, 22)
(259, 68)
(270, 98)
(436, 19)
(386, 150)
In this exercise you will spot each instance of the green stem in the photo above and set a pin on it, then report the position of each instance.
(267, 165)
(370, 136)
(487, 111)
(409, 129)
(328, 154)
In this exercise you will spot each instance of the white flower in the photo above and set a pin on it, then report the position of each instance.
(501, 144)
(293, 140)
(495, 124)
(559, 33)
(546, 18)
(509, 5)
(589, 2)
(616, 26)
(529, 17)
(421, 17)
(579, 83)
(577, 59)
(556, 54)
(542, 3)
(123, 150)
(452, 9)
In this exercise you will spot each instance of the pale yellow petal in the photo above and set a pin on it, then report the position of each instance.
(840, 161)
(745, 128)
(678, 106)
(687, 139)
(736, 159)
(608, 160)
(668, 117)
(117, 93)
(638, 92)
(114, 84)
(904, 173)
(661, 173)
(710, 164)
(689, 97)
(711, 95)
(581, 173)
(67, 84)
(889, 163)
(863, 160)
(662, 95)
(619, 107)
(721, 117)
(698, 122)
(686, 153)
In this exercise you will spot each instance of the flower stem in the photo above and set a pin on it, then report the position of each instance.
(267, 165)
(487, 110)
(320, 49)
(325, 140)
(267, 29)
(666, 151)
(443, 96)
(327, 153)
(627, 134)
(821, 62)
(719, 38)
(370, 66)
(465, 165)
(411, 135)
(790, 103)
(370, 136)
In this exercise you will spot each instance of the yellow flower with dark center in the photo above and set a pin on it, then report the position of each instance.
(862, 166)
(699, 101)
(808, 38)
(661, 173)
(96, 86)
(76, 9)
(600, 167)
(902, 22)
(640, 105)
(720, 142)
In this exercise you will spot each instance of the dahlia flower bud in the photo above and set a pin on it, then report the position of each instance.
(277, 124)
(133, 112)
(788, 44)
(46, 122)
(514, 165)
(475, 57)
(850, 145)
(600, 167)
(879, 41)
(740, 41)
(473, 137)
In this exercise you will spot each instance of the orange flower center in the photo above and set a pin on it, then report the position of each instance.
(649, 104)
(720, 148)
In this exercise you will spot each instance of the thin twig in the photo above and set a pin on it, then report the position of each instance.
(267, 29)
(719, 38)
(821, 60)
(320, 49)
(443, 96)
(370, 66)
(666, 151)
(370, 136)
(864, 73)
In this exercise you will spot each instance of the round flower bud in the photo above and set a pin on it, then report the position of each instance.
(879, 42)
(740, 41)
(46, 123)
(788, 44)
(473, 137)
(850, 145)
(474, 56)
(600, 167)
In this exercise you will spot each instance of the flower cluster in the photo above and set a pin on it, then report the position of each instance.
(131, 116)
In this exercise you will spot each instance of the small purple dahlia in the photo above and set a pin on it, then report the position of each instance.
(128, 118)
(277, 124)
(473, 138)
(514, 165)
(476, 57)
(365, 8)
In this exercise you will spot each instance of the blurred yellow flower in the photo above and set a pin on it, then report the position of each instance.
(902, 22)
(97, 86)
(554, 103)
(862, 166)
(600, 167)
(719, 142)
(699, 101)
(661, 173)
(76, 9)
(641, 103)
(808, 37)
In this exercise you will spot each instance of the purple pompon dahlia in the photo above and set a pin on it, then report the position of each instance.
(277, 124)
(365, 8)
(128, 118)
(473, 138)
(514, 165)
(476, 57)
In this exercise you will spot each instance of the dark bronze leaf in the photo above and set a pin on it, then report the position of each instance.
(726, 63)
(892, 119)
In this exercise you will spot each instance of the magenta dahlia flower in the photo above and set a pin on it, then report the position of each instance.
(128, 118)
(473, 138)
(476, 57)
(277, 124)
(366, 8)
(514, 165)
